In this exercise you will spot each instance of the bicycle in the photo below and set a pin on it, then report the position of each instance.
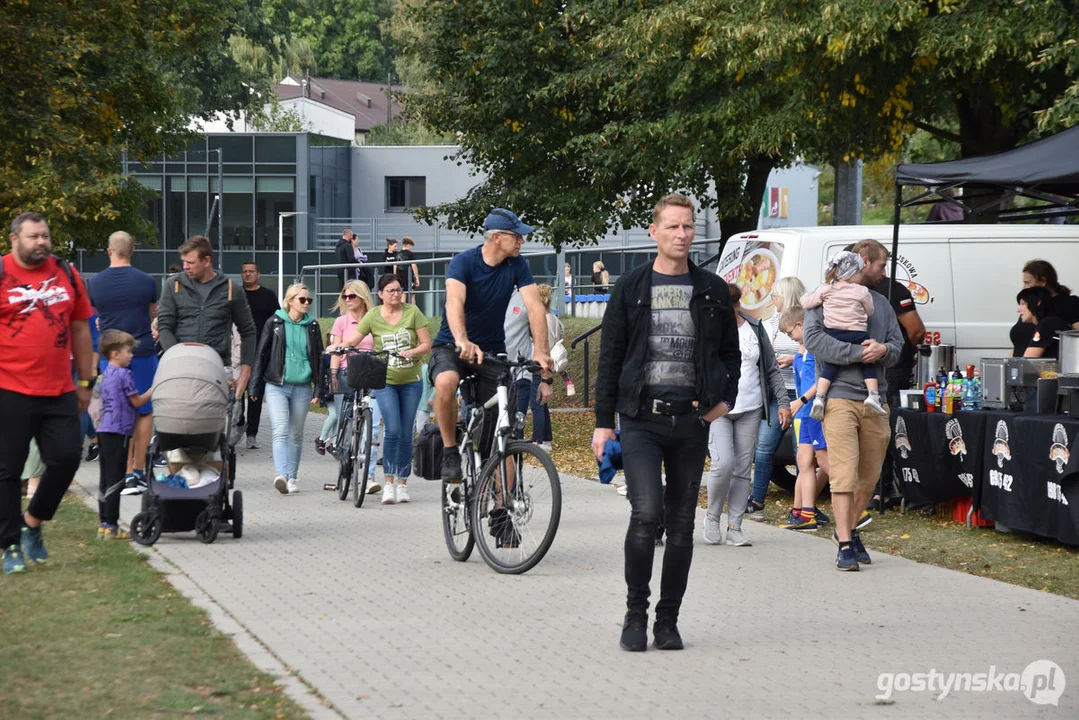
(352, 442)
(517, 490)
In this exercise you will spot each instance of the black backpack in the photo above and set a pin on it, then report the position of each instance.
(66, 267)
(427, 453)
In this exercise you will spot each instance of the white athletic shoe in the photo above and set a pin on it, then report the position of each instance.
(292, 486)
(402, 493)
(281, 483)
(736, 538)
(389, 495)
(713, 530)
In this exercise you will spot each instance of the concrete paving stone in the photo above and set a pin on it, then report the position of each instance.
(366, 606)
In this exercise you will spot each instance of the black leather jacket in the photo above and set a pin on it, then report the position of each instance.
(270, 359)
(624, 348)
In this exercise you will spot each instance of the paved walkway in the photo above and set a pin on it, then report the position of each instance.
(366, 609)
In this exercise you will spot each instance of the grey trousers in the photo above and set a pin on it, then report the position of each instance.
(732, 442)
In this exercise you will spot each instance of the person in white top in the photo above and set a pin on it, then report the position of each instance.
(847, 307)
(732, 438)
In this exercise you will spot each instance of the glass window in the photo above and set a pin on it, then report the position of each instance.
(197, 205)
(152, 182)
(405, 193)
(275, 149)
(235, 148)
(175, 213)
(267, 169)
(238, 218)
(238, 184)
(275, 196)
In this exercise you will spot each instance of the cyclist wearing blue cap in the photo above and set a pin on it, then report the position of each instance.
(479, 283)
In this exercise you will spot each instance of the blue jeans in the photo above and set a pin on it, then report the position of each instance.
(398, 404)
(541, 414)
(768, 437)
(288, 405)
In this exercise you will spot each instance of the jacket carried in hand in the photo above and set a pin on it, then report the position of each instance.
(270, 361)
(183, 316)
(624, 349)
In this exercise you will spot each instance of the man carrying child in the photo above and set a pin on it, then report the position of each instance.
(119, 400)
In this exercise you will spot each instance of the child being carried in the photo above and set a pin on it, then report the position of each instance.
(847, 306)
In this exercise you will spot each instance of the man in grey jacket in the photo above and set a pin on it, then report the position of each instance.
(856, 443)
(201, 305)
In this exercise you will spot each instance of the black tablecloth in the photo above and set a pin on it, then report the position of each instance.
(937, 457)
(1021, 470)
(1031, 479)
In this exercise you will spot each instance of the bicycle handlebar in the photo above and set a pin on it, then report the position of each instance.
(504, 360)
(351, 350)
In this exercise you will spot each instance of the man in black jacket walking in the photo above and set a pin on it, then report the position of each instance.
(669, 365)
(347, 250)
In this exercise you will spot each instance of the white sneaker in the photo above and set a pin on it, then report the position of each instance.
(402, 493)
(736, 538)
(570, 390)
(873, 403)
(713, 530)
(252, 444)
(373, 486)
(292, 486)
(816, 411)
(281, 483)
(389, 495)
(546, 446)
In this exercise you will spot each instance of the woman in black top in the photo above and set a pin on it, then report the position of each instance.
(1040, 273)
(1036, 309)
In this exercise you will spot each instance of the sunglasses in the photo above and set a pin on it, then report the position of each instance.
(304, 300)
(350, 296)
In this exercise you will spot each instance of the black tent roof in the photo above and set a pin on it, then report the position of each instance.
(1050, 165)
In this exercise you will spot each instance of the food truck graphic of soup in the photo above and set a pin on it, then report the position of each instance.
(757, 275)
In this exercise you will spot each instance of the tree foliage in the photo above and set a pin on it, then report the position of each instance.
(345, 35)
(583, 113)
(86, 81)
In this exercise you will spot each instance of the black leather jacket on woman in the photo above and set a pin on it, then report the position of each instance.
(270, 358)
(624, 349)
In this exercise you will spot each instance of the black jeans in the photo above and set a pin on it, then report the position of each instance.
(113, 461)
(253, 415)
(54, 423)
(650, 444)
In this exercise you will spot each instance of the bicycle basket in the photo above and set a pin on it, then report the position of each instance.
(367, 371)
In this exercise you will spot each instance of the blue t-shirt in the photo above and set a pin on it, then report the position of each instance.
(805, 377)
(122, 297)
(117, 412)
(487, 295)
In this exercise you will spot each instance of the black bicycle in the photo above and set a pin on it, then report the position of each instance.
(516, 493)
(353, 442)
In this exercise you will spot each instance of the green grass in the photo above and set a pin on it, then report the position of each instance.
(97, 632)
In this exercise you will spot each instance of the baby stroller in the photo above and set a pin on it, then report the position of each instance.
(192, 412)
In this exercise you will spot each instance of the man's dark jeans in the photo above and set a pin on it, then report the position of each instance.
(650, 444)
(54, 423)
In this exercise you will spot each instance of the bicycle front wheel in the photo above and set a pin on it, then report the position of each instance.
(361, 444)
(344, 458)
(515, 518)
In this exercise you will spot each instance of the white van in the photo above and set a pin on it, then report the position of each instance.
(963, 277)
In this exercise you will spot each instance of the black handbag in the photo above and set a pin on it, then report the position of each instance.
(427, 453)
(367, 371)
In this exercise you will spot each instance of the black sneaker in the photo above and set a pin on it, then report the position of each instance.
(451, 465)
(860, 553)
(320, 446)
(134, 484)
(502, 529)
(822, 519)
(635, 632)
(665, 635)
(93, 452)
(845, 560)
(160, 461)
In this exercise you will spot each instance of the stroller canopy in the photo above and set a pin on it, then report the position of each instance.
(191, 391)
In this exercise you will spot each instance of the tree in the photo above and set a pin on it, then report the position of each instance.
(345, 36)
(85, 82)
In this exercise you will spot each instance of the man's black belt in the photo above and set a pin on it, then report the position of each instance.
(656, 406)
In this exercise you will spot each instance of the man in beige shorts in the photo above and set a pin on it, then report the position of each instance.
(856, 443)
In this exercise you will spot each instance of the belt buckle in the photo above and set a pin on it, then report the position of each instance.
(658, 406)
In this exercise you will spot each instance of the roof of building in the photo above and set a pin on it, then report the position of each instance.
(366, 101)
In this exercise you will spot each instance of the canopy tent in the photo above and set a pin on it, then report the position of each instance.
(1045, 171)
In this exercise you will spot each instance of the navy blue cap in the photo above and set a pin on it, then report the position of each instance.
(502, 219)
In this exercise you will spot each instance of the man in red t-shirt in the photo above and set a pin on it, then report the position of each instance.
(43, 324)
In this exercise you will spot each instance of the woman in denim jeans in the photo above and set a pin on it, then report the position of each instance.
(401, 328)
(786, 294)
(352, 304)
(288, 366)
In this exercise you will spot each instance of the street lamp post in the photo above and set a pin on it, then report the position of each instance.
(281, 254)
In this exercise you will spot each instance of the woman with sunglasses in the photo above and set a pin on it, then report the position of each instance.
(353, 303)
(401, 328)
(288, 367)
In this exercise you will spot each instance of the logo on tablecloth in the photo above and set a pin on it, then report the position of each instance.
(956, 445)
(1000, 445)
(902, 442)
(1058, 452)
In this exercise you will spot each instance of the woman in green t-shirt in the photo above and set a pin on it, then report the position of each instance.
(401, 328)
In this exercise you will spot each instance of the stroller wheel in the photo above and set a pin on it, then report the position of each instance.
(146, 528)
(237, 514)
(206, 527)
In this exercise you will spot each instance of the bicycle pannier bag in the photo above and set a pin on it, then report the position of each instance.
(427, 453)
(366, 371)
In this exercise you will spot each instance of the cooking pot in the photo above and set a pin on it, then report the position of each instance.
(1069, 352)
(930, 359)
